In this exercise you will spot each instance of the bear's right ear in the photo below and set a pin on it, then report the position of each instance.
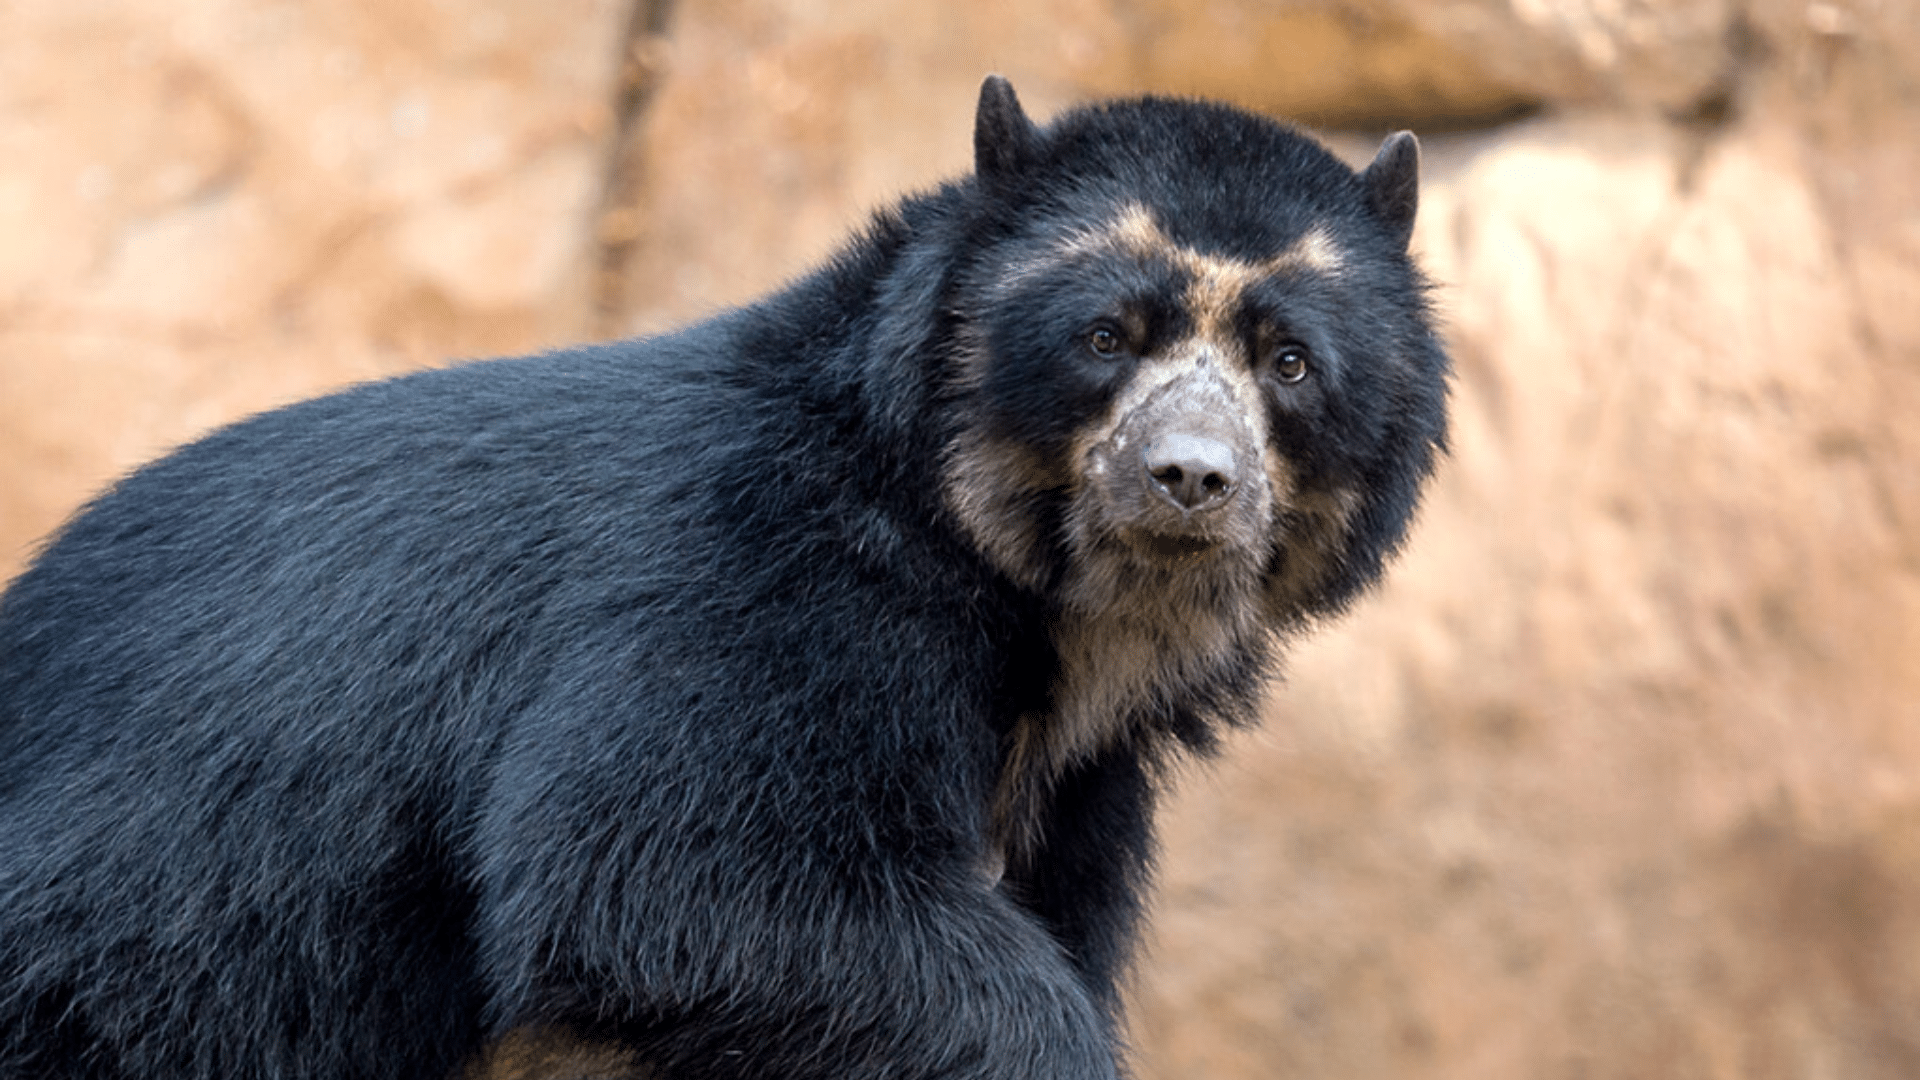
(1393, 185)
(1003, 138)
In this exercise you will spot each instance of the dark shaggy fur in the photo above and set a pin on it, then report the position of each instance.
(781, 698)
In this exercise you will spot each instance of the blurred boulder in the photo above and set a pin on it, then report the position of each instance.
(213, 206)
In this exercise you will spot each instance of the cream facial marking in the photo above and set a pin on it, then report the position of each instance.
(983, 481)
(1192, 362)
(1133, 234)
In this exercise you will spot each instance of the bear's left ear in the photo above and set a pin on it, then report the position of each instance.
(1003, 138)
(1393, 184)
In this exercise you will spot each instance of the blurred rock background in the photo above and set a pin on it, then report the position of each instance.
(1619, 776)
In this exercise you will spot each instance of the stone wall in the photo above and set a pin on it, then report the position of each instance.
(1619, 775)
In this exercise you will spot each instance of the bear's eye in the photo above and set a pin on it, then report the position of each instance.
(1290, 363)
(1105, 342)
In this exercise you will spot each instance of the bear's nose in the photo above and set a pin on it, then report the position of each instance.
(1196, 472)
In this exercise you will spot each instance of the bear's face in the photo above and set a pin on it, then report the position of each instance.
(1194, 375)
(1146, 416)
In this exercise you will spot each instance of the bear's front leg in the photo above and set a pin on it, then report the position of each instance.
(785, 886)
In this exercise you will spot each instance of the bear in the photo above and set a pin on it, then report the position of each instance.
(788, 695)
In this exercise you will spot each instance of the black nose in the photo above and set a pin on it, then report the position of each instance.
(1196, 472)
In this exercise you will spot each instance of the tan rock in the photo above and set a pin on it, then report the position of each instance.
(1663, 55)
(1339, 62)
(214, 206)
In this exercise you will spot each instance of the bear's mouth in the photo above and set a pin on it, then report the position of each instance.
(1176, 548)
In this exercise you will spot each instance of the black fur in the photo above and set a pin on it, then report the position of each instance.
(651, 690)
